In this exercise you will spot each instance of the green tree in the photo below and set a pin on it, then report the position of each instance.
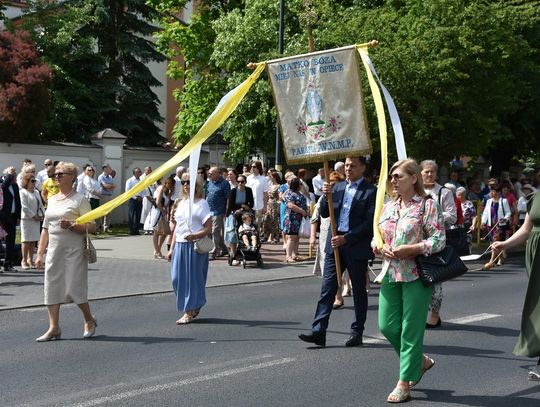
(122, 30)
(463, 73)
(78, 96)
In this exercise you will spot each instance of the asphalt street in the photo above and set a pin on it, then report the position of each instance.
(243, 351)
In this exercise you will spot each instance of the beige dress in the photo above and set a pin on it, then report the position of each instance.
(66, 267)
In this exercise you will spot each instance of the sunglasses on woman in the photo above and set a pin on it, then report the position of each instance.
(184, 182)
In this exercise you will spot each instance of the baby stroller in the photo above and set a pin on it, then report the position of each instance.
(244, 253)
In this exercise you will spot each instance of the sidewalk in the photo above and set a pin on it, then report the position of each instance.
(126, 267)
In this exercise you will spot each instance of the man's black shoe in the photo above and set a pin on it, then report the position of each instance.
(354, 340)
(318, 338)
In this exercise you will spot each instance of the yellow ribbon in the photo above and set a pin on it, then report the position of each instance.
(381, 119)
(222, 112)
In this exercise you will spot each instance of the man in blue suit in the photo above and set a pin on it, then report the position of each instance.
(354, 206)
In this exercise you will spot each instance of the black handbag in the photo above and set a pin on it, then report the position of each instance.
(439, 267)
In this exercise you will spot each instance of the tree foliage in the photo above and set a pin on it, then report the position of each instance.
(99, 51)
(78, 94)
(122, 30)
(24, 81)
(463, 73)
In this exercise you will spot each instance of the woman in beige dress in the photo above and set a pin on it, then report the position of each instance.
(66, 266)
(31, 215)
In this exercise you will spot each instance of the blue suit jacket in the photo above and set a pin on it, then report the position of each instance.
(360, 219)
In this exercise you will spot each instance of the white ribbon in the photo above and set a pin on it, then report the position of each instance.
(193, 167)
(394, 116)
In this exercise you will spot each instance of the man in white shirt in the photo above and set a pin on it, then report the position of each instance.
(135, 202)
(107, 186)
(260, 186)
(317, 182)
(177, 185)
(147, 170)
(80, 180)
(42, 176)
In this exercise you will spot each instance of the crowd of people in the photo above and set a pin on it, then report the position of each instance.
(230, 211)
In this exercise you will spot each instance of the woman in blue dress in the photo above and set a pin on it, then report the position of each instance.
(296, 210)
(189, 269)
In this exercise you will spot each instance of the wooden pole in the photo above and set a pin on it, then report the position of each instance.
(333, 225)
(310, 16)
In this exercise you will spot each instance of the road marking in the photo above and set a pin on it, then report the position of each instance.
(472, 318)
(375, 340)
(172, 385)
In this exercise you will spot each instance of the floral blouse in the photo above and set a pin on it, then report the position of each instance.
(399, 227)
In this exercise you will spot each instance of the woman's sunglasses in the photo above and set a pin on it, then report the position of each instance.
(184, 182)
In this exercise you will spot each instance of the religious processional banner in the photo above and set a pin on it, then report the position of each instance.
(320, 105)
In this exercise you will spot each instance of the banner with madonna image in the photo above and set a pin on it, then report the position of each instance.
(320, 105)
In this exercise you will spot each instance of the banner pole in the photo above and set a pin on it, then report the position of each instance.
(333, 226)
(311, 48)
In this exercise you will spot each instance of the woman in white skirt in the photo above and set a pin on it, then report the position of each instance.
(160, 213)
(31, 214)
(66, 268)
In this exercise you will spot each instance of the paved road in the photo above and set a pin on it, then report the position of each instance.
(243, 351)
(126, 267)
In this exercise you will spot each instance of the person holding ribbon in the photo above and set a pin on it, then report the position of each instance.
(66, 268)
(189, 269)
(411, 224)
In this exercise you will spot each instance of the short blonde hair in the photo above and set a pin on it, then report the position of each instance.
(411, 167)
(199, 186)
(69, 168)
(26, 180)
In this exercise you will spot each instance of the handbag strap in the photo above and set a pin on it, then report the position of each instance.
(421, 215)
(87, 237)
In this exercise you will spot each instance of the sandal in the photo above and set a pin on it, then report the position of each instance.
(186, 319)
(399, 395)
(424, 370)
(338, 305)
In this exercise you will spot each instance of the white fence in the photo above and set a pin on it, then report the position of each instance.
(108, 147)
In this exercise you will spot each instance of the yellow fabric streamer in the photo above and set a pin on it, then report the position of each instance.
(381, 119)
(224, 109)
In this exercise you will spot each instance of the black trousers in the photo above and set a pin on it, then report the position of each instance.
(357, 271)
(10, 226)
(135, 209)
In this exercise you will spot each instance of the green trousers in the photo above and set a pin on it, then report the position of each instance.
(403, 309)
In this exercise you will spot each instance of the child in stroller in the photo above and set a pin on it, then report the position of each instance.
(248, 232)
(249, 242)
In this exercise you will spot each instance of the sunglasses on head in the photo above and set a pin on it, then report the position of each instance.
(184, 182)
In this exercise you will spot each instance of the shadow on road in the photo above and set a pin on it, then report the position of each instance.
(490, 330)
(144, 340)
(242, 322)
(514, 399)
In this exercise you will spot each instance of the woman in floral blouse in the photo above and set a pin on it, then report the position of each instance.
(411, 224)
